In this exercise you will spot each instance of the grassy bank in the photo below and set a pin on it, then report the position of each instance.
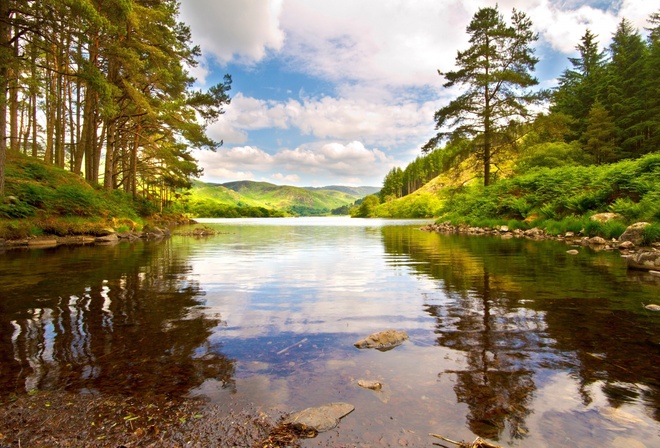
(44, 200)
(557, 200)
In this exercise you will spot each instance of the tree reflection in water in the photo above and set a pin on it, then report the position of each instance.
(496, 384)
(517, 307)
(121, 319)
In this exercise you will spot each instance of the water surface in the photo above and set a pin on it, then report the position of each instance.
(511, 340)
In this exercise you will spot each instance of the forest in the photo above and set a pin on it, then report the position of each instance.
(102, 88)
(598, 127)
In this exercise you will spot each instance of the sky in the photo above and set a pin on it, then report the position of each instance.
(338, 92)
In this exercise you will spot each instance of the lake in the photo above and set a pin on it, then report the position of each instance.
(511, 340)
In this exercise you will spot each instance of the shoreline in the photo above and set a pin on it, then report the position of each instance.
(645, 258)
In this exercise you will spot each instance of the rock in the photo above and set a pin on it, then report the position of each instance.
(572, 252)
(130, 236)
(107, 239)
(605, 217)
(569, 235)
(105, 231)
(534, 232)
(504, 228)
(646, 260)
(385, 340)
(597, 241)
(321, 418)
(652, 307)
(370, 384)
(634, 233)
(626, 245)
(626, 442)
(42, 242)
(656, 273)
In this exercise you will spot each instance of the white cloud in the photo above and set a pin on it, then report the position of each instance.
(353, 163)
(351, 159)
(328, 118)
(286, 179)
(242, 31)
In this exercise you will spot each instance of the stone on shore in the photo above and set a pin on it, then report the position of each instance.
(107, 239)
(383, 341)
(605, 217)
(320, 418)
(634, 233)
(646, 260)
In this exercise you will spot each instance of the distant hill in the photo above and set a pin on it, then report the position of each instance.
(250, 198)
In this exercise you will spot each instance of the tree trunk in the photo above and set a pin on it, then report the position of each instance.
(5, 58)
(108, 176)
(13, 75)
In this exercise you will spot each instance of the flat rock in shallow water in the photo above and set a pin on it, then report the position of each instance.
(385, 340)
(369, 384)
(321, 418)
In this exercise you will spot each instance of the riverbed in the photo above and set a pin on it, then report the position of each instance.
(514, 341)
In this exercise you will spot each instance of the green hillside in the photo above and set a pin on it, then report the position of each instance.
(263, 199)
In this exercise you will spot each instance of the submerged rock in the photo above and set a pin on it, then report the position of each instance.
(385, 340)
(370, 384)
(321, 418)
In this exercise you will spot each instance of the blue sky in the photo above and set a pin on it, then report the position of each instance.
(339, 92)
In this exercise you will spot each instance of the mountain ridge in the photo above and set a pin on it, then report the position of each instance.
(254, 198)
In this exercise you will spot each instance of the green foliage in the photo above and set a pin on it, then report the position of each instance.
(631, 188)
(212, 209)
(18, 209)
(652, 234)
(551, 155)
(70, 200)
(367, 208)
(418, 205)
(247, 198)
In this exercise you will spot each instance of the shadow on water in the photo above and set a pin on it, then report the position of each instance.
(120, 319)
(518, 307)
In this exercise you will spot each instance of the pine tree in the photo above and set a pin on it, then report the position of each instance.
(626, 96)
(496, 73)
(580, 87)
(598, 138)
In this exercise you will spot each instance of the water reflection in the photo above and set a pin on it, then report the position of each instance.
(509, 339)
(123, 319)
(518, 308)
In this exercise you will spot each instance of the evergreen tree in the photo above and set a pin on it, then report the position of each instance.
(496, 73)
(580, 86)
(652, 87)
(598, 139)
(626, 96)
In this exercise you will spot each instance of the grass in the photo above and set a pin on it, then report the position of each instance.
(44, 200)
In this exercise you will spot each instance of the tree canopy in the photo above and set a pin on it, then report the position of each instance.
(102, 87)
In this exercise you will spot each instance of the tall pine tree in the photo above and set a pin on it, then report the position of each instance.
(496, 74)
